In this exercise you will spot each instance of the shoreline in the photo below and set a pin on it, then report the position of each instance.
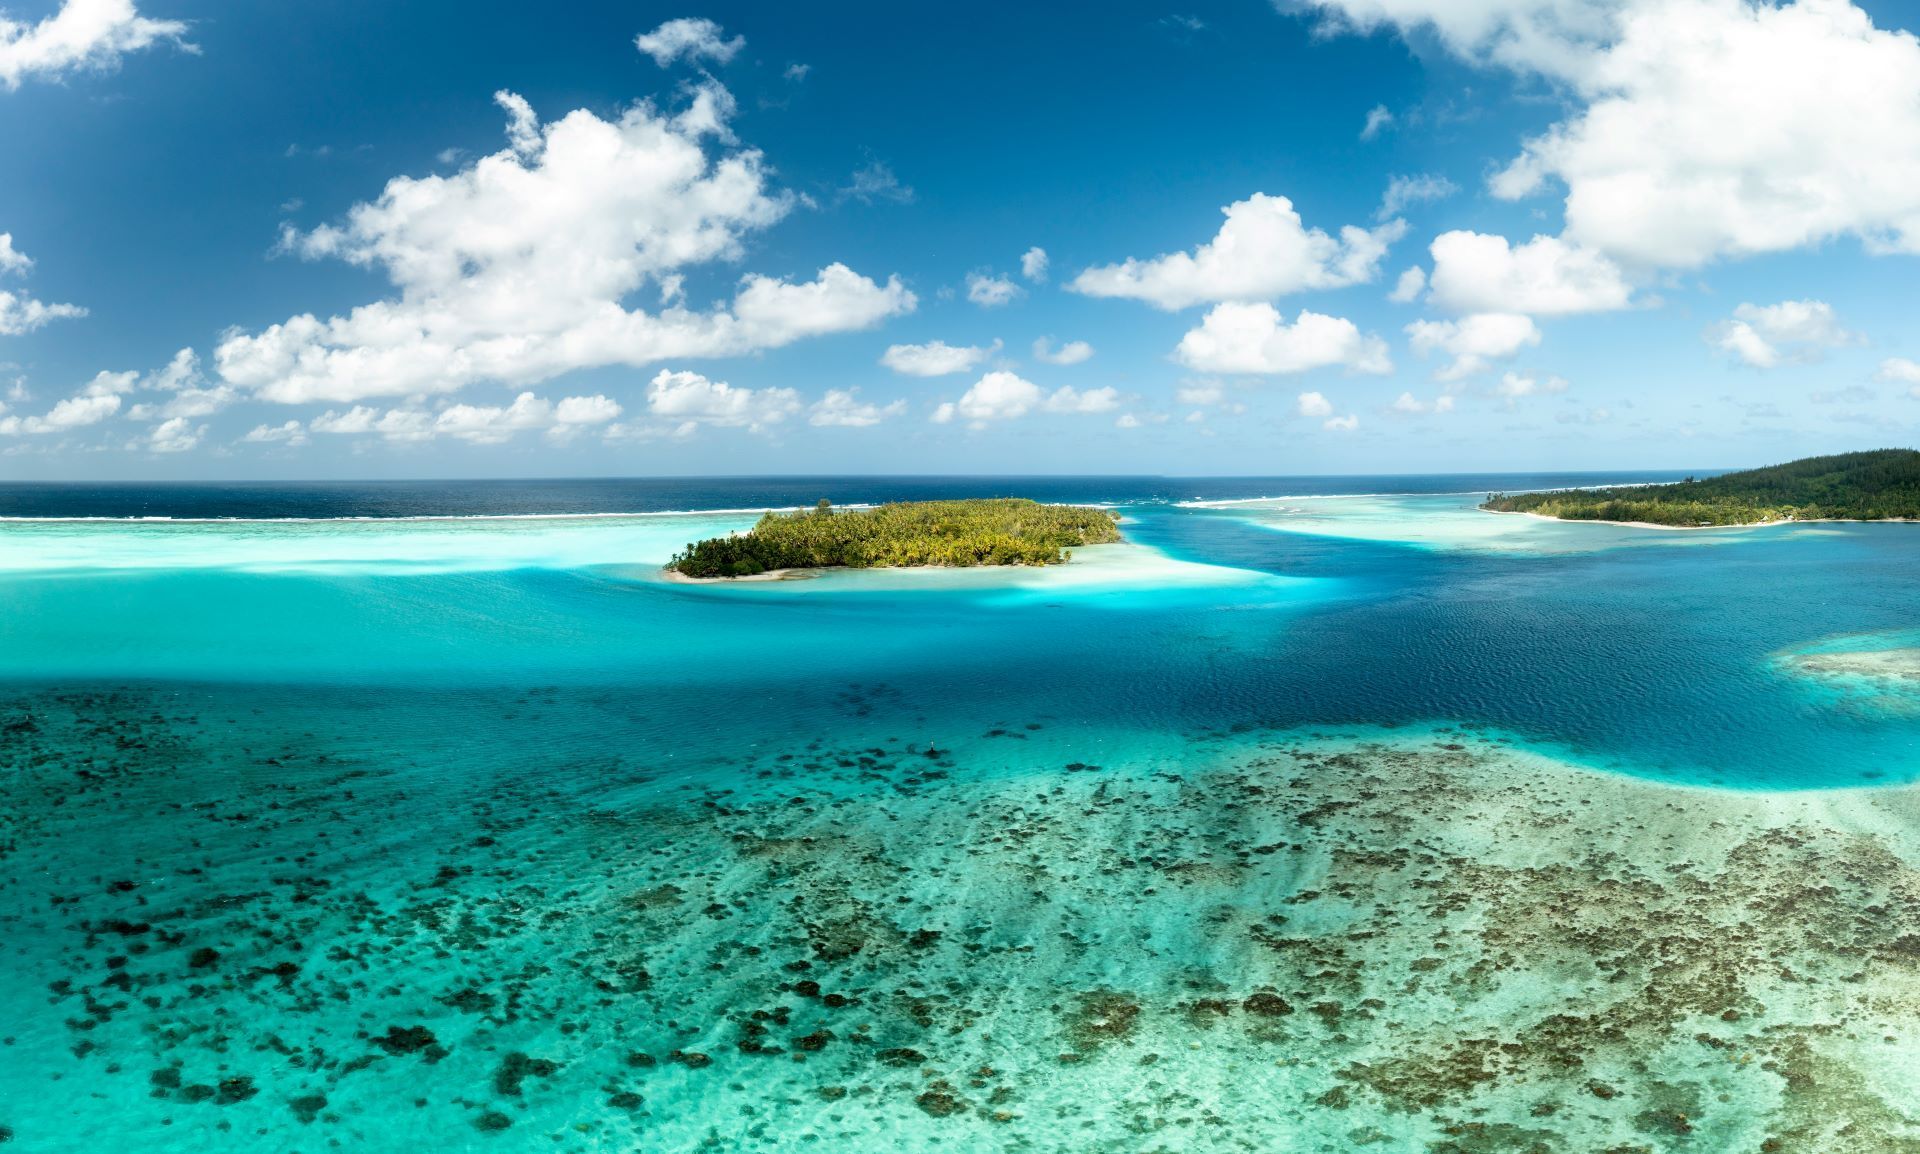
(1692, 528)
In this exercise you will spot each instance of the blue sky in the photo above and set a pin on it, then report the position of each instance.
(365, 239)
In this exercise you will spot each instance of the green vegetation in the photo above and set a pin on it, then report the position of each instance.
(1006, 531)
(1881, 485)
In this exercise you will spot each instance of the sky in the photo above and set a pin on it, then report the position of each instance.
(366, 239)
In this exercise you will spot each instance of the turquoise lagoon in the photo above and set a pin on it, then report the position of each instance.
(1315, 822)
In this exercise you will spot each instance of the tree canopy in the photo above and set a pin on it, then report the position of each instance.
(1879, 485)
(999, 531)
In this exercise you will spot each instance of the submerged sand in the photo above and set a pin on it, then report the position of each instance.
(1411, 940)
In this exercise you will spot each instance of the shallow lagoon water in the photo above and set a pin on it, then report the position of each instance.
(456, 834)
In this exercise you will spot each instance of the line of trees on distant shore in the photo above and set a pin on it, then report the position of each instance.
(999, 531)
(1880, 485)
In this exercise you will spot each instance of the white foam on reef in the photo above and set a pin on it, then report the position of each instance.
(371, 545)
(1454, 521)
(1093, 569)
(639, 544)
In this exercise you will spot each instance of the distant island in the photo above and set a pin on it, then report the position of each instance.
(1881, 485)
(999, 531)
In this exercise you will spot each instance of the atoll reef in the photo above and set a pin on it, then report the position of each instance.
(1400, 940)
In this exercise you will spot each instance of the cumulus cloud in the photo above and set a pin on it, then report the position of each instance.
(1477, 273)
(1006, 396)
(1717, 128)
(1346, 424)
(842, 408)
(935, 358)
(475, 424)
(176, 435)
(1067, 399)
(1071, 353)
(1473, 342)
(1899, 370)
(689, 38)
(1263, 250)
(82, 35)
(1409, 404)
(288, 433)
(1703, 128)
(1514, 386)
(1403, 191)
(20, 313)
(990, 292)
(1254, 338)
(1408, 288)
(514, 269)
(12, 260)
(1315, 405)
(188, 393)
(1033, 264)
(690, 400)
(75, 412)
(1764, 336)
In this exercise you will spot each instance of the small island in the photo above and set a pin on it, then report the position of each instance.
(1881, 485)
(999, 531)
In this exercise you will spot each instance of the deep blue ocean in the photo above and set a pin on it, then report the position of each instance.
(235, 714)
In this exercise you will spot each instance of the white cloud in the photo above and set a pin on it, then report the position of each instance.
(1262, 251)
(1005, 396)
(997, 396)
(106, 384)
(176, 435)
(404, 425)
(189, 395)
(580, 411)
(690, 400)
(1071, 353)
(1126, 421)
(936, 358)
(1899, 370)
(1315, 405)
(689, 38)
(1067, 399)
(1033, 264)
(1707, 128)
(1478, 273)
(991, 292)
(1764, 336)
(1253, 338)
(291, 433)
(843, 408)
(797, 72)
(875, 181)
(1716, 128)
(1206, 394)
(1403, 191)
(12, 260)
(1408, 288)
(1473, 341)
(82, 35)
(73, 413)
(1513, 386)
(515, 268)
(20, 313)
(1410, 404)
(1346, 424)
(1379, 119)
(493, 424)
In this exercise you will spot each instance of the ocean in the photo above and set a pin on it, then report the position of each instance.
(1324, 814)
